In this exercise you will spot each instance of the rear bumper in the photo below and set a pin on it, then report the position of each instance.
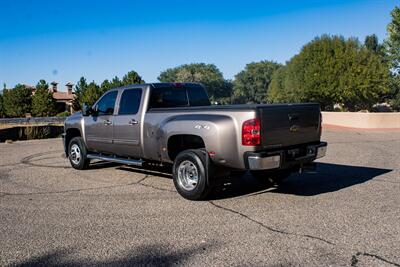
(284, 158)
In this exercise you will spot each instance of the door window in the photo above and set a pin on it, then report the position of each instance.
(106, 104)
(130, 101)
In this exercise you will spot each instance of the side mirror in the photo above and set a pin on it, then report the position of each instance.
(86, 109)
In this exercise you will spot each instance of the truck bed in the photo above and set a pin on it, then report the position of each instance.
(282, 125)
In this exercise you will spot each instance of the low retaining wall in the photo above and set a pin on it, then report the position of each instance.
(32, 121)
(363, 120)
(30, 128)
(30, 132)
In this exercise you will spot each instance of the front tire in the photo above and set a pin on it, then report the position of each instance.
(190, 173)
(77, 154)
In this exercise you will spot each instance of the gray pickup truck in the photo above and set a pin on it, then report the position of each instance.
(175, 124)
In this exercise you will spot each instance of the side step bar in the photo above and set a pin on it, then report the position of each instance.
(134, 162)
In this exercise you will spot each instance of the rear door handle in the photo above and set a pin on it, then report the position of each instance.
(133, 122)
(107, 122)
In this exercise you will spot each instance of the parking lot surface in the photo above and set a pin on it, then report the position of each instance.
(347, 213)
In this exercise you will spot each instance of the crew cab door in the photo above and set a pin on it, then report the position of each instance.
(127, 124)
(99, 125)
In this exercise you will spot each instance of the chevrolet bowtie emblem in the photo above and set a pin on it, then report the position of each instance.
(294, 128)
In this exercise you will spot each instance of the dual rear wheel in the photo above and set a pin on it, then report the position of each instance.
(190, 173)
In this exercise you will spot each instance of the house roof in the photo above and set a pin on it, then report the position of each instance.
(63, 96)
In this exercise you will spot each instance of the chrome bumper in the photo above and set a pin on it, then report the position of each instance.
(279, 159)
(259, 163)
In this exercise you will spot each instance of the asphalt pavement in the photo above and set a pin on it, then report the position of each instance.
(347, 213)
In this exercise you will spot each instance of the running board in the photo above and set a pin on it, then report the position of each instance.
(117, 160)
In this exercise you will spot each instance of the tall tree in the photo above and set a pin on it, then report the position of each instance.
(371, 43)
(92, 93)
(251, 84)
(43, 103)
(169, 75)
(80, 89)
(106, 85)
(132, 77)
(332, 70)
(207, 74)
(393, 40)
(18, 101)
(116, 82)
(392, 45)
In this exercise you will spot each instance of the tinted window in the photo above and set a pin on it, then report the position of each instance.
(106, 104)
(168, 97)
(198, 97)
(130, 101)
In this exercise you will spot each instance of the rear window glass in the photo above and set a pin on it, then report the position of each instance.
(198, 97)
(130, 101)
(168, 97)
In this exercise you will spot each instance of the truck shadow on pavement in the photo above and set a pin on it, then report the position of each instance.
(148, 255)
(327, 178)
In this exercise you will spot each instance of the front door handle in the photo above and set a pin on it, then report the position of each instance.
(133, 122)
(107, 122)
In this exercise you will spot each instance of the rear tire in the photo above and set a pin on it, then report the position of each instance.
(268, 177)
(77, 154)
(190, 174)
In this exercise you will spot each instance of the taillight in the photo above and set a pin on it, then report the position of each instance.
(251, 132)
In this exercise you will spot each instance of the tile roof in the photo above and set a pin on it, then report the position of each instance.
(63, 96)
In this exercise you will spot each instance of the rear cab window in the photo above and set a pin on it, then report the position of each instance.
(178, 96)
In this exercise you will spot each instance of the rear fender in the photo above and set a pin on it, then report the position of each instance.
(217, 131)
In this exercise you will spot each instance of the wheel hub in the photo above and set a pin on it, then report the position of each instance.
(188, 176)
(75, 154)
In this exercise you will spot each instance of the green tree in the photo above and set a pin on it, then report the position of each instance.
(116, 82)
(277, 90)
(92, 93)
(208, 74)
(330, 70)
(106, 85)
(392, 45)
(18, 101)
(251, 84)
(132, 77)
(392, 42)
(43, 103)
(169, 75)
(371, 43)
(80, 89)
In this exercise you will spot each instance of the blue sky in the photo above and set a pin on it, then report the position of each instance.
(63, 40)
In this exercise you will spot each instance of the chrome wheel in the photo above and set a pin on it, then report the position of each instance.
(188, 176)
(75, 154)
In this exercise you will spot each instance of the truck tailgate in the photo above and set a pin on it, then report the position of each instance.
(291, 124)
